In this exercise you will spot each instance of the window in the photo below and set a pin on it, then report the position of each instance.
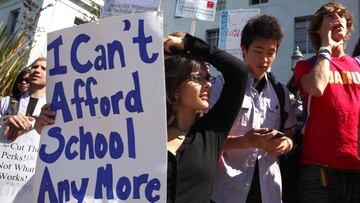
(79, 21)
(255, 2)
(212, 37)
(12, 21)
(301, 38)
(221, 5)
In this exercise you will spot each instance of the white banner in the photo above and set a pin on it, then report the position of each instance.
(120, 7)
(108, 144)
(17, 167)
(231, 24)
(197, 9)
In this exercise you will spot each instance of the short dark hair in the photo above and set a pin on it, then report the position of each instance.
(317, 19)
(261, 27)
(178, 69)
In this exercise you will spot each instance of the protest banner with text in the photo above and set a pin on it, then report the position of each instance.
(120, 7)
(232, 23)
(196, 9)
(106, 82)
(17, 166)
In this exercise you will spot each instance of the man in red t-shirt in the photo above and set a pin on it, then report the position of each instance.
(330, 82)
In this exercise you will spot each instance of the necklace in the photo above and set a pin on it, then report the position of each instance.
(182, 134)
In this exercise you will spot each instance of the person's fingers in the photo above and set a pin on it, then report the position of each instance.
(12, 134)
(45, 120)
(6, 131)
(167, 45)
(16, 133)
(46, 107)
(20, 121)
(50, 113)
(270, 135)
(24, 122)
(261, 130)
(12, 122)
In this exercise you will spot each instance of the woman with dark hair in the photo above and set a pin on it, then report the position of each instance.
(195, 140)
(21, 84)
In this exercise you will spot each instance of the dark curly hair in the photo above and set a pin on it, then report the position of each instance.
(264, 27)
(317, 19)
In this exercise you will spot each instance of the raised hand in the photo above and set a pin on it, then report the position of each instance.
(45, 118)
(174, 43)
(331, 22)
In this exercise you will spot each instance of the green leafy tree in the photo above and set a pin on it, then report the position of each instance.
(94, 10)
(13, 56)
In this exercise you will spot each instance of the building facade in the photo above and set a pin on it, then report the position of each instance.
(61, 14)
(293, 15)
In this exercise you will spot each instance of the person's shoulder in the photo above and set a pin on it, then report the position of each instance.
(303, 67)
(4, 102)
(6, 98)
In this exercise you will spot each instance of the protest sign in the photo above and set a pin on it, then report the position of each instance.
(196, 9)
(231, 24)
(106, 82)
(120, 7)
(17, 167)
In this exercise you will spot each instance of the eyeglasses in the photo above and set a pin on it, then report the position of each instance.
(202, 79)
(27, 80)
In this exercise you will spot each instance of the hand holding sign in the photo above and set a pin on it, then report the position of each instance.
(46, 117)
(15, 125)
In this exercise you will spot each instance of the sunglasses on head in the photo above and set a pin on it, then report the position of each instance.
(27, 80)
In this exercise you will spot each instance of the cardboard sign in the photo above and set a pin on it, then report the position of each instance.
(197, 9)
(106, 82)
(120, 7)
(231, 24)
(17, 167)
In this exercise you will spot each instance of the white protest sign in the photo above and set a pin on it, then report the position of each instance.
(106, 81)
(17, 167)
(197, 9)
(120, 7)
(231, 24)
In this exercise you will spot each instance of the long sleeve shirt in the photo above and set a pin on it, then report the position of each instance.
(191, 171)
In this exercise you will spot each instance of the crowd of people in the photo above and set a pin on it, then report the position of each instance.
(229, 136)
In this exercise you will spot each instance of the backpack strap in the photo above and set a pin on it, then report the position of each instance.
(280, 93)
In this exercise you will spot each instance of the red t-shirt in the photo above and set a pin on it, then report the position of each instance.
(331, 130)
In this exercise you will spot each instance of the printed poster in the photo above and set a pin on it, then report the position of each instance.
(231, 24)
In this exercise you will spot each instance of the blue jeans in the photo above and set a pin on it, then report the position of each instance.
(324, 185)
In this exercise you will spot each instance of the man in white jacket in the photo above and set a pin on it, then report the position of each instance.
(30, 103)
